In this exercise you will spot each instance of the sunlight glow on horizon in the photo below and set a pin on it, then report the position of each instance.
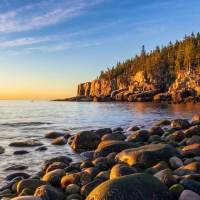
(48, 47)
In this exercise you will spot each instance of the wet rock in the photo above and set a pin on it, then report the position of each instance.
(180, 123)
(132, 187)
(21, 152)
(106, 148)
(54, 177)
(195, 177)
(88, 154)
(2, 150)
(191, 141)
(6, 191)
(196, 118)
(93, 171)
(27, 198)
(79, 178)
(132, 128)
(189, 195)
(14, 175)
(177, 136)
(86, 189)
(114, 136)
(162, 122)
(71, 168)
(85, 140)
(154, 138)
(176, 190)
(101, 132)
(159, 152)
(74, 197)
(192, 131)
(59, 141)
(140, 135)
(104, 175)
(72, 189)
(156, 130)
(175, 162)
(56, 165)
(26, 143)
(117, 129)
(43, 148)
(192, 168)
(27, 191)
(16, 167)
(191, 185)
(30, 183)
(47, 192)
(109, 162)
(86, 164)
(166, 177)
(121, 170)
(53, 135)
(190, 151)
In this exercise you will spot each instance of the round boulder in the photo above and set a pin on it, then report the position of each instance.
(85, 140)
(180, 123)
(140, 135)
(132, 187)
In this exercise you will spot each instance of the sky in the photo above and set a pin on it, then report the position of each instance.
(48, 47)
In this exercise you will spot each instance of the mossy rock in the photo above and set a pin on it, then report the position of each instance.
(176, 190)
(162, 122)
(26, 143)
(132, 187)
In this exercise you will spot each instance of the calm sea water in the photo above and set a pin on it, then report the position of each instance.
(23, 120)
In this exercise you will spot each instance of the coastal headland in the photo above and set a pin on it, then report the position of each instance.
(162, 86)
(160, 163)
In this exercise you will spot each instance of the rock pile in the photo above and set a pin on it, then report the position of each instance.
(161, 163)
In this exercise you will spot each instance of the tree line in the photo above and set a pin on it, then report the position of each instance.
(182, 55)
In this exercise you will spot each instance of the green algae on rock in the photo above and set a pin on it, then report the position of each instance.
(132, 187)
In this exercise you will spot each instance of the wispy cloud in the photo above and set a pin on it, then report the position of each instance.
(26, 41)
(43, 14)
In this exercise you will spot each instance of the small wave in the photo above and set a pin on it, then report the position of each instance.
(25, 124)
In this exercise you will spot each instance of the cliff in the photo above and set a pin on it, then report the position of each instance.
(163, 85)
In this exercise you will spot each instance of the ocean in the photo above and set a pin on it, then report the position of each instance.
(23, 120)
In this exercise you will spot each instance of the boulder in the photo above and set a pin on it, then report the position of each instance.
(106, 148)
(121, 170)
(191, 185)
(148, 154)
(79, 178)
(189, 195)
(30, 183)
(53, 135)
(180, 123)
(85, 140)
(59, 141)
(114, 136)
(101, 132)
(132, 187)
(140, 135)
(162, 122)
(54, 177)
(47, 192)
(190, 151)
(166, 177)
(26, 143)
(192, 168)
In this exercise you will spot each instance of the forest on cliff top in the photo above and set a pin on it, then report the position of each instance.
(182, 55)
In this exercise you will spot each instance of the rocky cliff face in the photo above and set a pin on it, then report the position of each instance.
(162, 86)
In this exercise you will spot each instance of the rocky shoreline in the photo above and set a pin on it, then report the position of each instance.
(164, 86)
(160, 163)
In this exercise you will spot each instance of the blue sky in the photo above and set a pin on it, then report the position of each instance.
(48, 47)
